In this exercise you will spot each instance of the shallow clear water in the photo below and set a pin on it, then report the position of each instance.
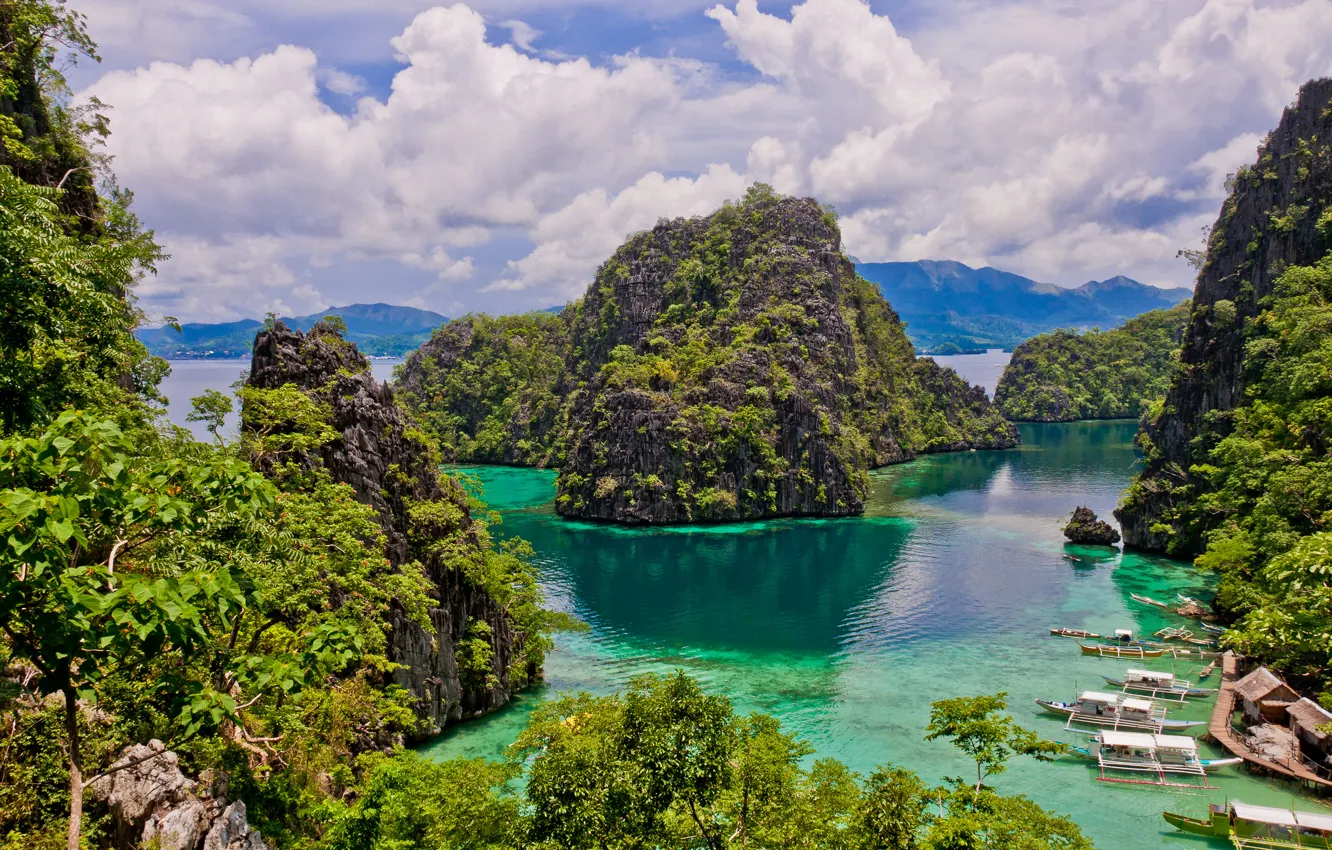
(847, 629)
(190, 378)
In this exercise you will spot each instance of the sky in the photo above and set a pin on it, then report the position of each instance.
(489, 155)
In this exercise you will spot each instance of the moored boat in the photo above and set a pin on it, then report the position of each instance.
(1140, 758)
(1147, 600)
(1157, 684)
(1118, 711)
(1213, 628)
(1259, 826)
(1120, 651)
(1073, 633)
(1093, 751)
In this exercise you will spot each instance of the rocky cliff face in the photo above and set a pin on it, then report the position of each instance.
(379, 453)
(1268, 223)
(154, 805)
(720, 368)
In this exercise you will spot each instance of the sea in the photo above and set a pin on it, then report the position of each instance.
(847, 629)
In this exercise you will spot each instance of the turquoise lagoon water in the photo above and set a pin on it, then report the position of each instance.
(847, 629)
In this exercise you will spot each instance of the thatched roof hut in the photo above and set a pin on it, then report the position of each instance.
(1305, 718)
(1264, 697)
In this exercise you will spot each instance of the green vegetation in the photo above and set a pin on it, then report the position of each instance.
(488, 388)
(1065, 376)
(718, 368)
(156, 587)
(1265, 499)
(240, 603)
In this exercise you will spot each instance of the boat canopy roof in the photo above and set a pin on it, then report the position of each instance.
(1128, 739)
(1098, 696)
(1264, 814)
(1150, 676)
(1123, 633)
(1135, 704)
(1176, 742)
(1310, 820)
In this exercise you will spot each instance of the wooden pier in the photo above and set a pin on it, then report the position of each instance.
(1221, 731)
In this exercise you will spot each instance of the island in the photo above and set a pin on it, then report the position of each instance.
(723, 368)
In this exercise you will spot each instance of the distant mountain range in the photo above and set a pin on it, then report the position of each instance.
(948, 305)
(379, 330)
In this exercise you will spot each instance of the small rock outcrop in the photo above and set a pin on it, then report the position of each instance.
(1269, 222)
(721, 368)
(153, 804)
(1086, 528)
(383, 457)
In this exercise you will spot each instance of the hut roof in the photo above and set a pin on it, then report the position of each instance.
(1258, 684)
(1309, 714)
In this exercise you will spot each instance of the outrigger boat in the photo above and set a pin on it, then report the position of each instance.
(1117, 711)
(1147, 600)
(1095, 749)
(1188, 600)
(1213, 628)
(1259, 827)
(1163, 758)
(1073, 633)
(1120, 651)
(1158, 685)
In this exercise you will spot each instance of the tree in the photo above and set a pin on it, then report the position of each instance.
(408, 802)
(893, 809)
(79, 600)
(65, 327)
(605, 771)
(984, 820)
(976, 727)
(211, 408)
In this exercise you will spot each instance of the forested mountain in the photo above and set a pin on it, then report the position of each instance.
(377, 330)
(1066, 376)
(948, 302)
(719, 368)
(1238, 470)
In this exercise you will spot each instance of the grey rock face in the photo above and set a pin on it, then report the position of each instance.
(636, 454)
(1085, 527)
(1268, 223)
(153, 803)
(232, 831)
(389, 467)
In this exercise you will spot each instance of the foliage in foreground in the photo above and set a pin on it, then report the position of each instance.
(667, 765)
(1065, 376)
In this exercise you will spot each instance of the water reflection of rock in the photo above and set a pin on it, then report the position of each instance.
(776, 587)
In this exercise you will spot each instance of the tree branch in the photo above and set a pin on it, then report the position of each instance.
(61, 184)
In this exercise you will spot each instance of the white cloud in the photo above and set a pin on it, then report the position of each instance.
(1061, 141)
(577, 238)
(340, 82)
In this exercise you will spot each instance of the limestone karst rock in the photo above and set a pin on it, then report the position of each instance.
(379, 453)
(1086, 528)
(1268, 223)
(719, 368)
